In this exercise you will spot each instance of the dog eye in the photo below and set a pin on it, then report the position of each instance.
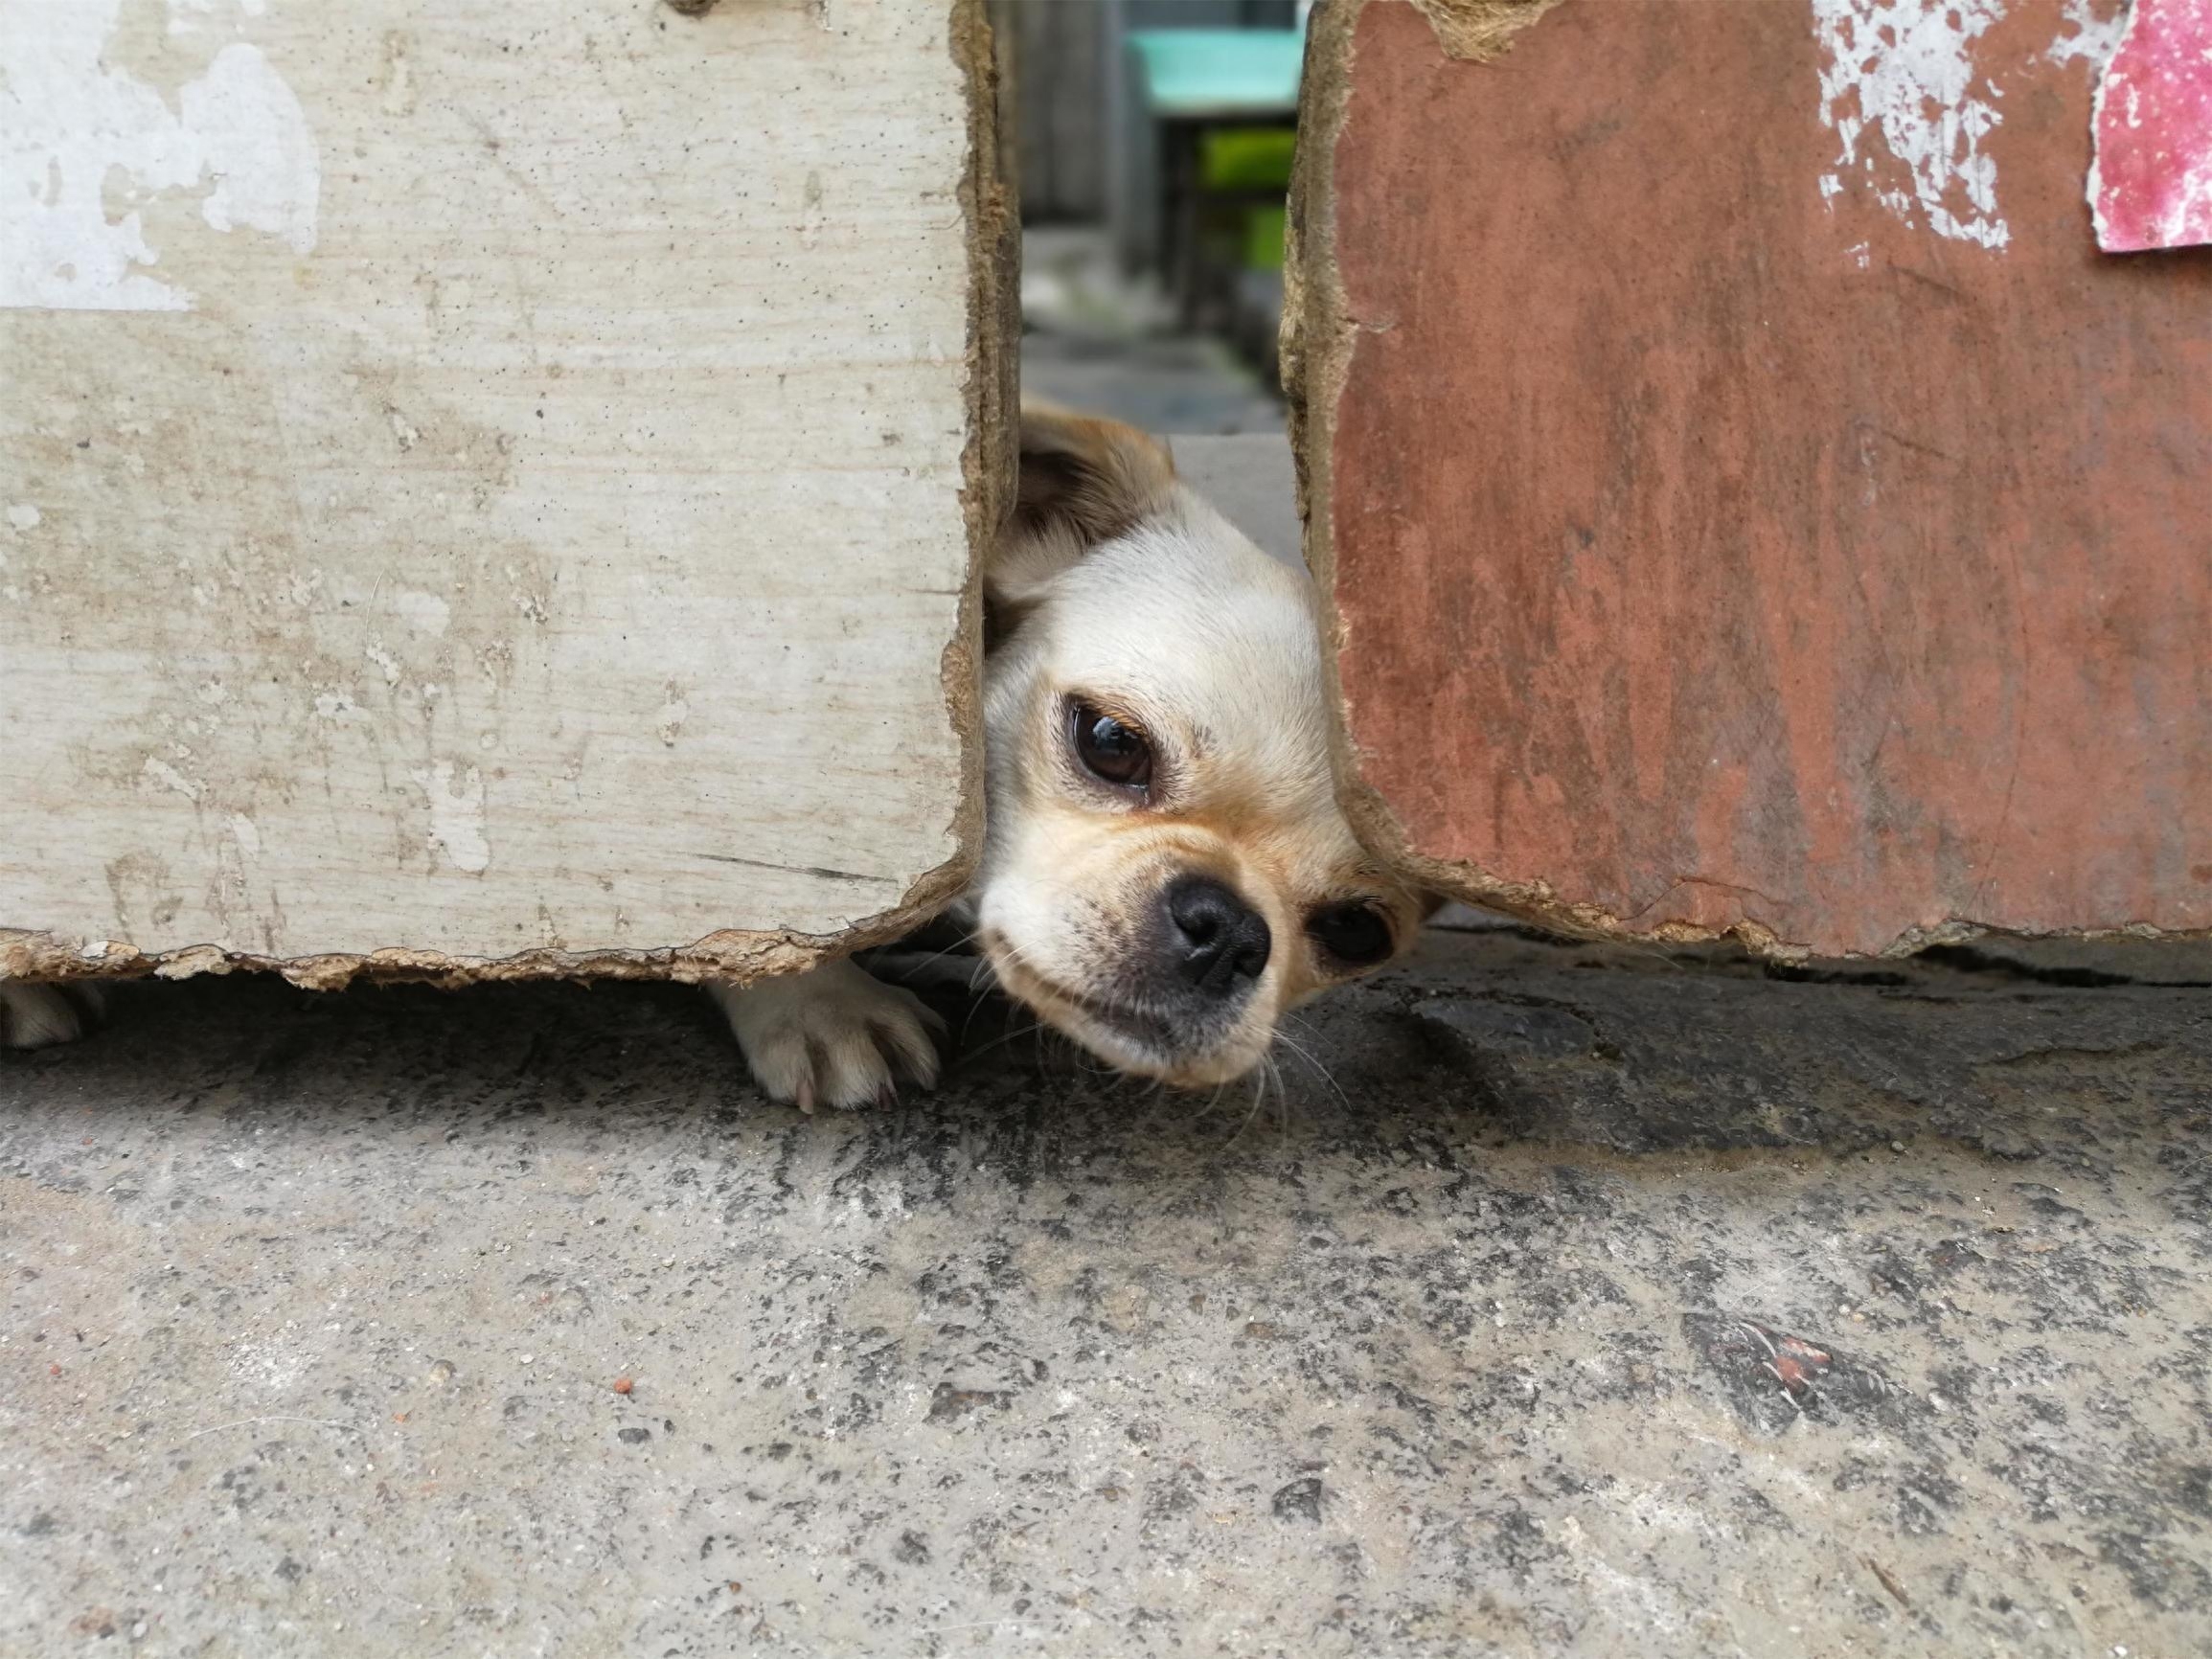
(1354, 934)
(1112, 751)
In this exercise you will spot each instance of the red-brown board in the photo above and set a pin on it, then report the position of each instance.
(1730, 524)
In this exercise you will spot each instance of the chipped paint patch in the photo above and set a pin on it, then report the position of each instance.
(1911, 111)
(672, 716)
(2150, 177)
(22, 516)
(167, 776)
(237, 138)
(2097, 27)
(456, 815)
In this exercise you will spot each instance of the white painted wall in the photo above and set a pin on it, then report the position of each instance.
(479, 479)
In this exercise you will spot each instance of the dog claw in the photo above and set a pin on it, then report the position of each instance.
(832, 1038)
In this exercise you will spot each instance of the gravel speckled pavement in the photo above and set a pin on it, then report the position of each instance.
(1596, 1302)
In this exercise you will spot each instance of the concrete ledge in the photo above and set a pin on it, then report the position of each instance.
(1565, 1299)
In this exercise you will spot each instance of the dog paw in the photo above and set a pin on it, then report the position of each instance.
(34, 1016)
(831, 1036)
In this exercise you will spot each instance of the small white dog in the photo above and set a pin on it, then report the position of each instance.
(1166, 869)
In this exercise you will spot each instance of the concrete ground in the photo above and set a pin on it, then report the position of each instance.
(1557, 1299)
(1099, 340)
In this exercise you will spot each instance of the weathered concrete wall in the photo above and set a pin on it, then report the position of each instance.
(1751, 501)
(488, 483)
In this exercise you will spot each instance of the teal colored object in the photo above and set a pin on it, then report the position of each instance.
(1211, 73)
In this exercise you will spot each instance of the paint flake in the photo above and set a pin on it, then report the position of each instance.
(238, 139)
(2150, 181)
(1911, 111)
(456, 815)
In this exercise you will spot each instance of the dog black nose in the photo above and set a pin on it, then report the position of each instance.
(1219, 943)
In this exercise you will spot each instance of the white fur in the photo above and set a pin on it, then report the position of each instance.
(1199, 633)
(34, 1016)
(1215, 649)
(834, 1035)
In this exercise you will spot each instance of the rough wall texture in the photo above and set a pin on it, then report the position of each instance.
(491, 489)
(1751, 500)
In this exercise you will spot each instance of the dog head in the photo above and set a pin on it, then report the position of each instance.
(1166, 868)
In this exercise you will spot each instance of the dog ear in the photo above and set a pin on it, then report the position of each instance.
(1084, 481)
(1096, 476)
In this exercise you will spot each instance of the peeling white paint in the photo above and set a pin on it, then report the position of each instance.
(386, 663)
(672, 716)
(2097, 27)
(456, 815)
(260, 150)
(77, 133)
(246, 834)
(1911, 111)
(22, 516)
(398, 77)
(161, 772)
(2093, 188)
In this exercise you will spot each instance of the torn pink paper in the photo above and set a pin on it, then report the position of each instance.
(2151, 183)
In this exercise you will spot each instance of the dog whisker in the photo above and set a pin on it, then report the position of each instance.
(1258, 1098)
(1001, 1040)
(1299, 1049)
(921, 963)
(973, 1009)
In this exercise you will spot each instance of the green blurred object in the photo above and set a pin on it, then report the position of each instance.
(1246, 158)
(1263, 239)
(1242, 161)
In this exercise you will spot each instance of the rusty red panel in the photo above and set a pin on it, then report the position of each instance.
(1749, 498)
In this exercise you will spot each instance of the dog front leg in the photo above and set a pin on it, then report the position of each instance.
(34, 1015)
(834, 1035)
